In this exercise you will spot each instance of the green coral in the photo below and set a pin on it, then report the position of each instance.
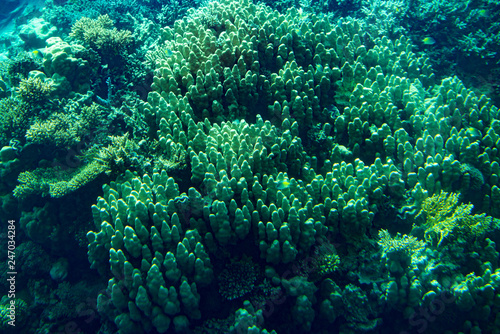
(327, 264)
(117, 156)
(443, 215)
(101, 35)
(400, 251)
(18, 67)
(405, 244)
(29, 104)
(472, 177)
(325, 260)
(56, 181)
(141, 222)
(248, 320)
(254, 182)
(15, 118)
(34, 91)
(477, 295)
(20, 312)
(18, 111)
(65, 129)
(59, 129)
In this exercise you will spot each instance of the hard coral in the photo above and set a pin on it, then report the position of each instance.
(443, 216)
(34, 91)
(56, 182)
(101, 36)
(14, 119)
(118, 156)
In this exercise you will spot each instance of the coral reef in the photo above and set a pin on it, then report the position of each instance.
(398, 140)
(289, 172)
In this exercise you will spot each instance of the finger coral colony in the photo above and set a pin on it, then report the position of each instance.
(240, 167)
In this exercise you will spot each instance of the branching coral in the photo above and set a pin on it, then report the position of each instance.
(443, 216)
(14, 119)
(405, 243)
(18, 112)
(118, 156)
(101, 36)
(56, 181)
(399, 251)
(175, 162)
(60, 130)
(34, 91)
(65, 129)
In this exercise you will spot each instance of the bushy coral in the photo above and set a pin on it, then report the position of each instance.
(65, 129)
(58, 181)
(100, 35)
(58, 130)
(443, 215)
(120, 11)
(18, 112)
(55, 181)
(30, 114)
(118, 156)
(405, 244)
(15, 119)
(34, 91)
(399, 252)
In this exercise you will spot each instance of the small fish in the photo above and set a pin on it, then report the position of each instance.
(319, 67)
(169, 52)
(37, 54)
(428, 40)
(474, 133)
(283, 184)
(299, 33)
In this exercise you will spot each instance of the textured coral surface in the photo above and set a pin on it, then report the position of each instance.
(255, 171)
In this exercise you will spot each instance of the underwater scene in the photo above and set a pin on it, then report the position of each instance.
(250, 166)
